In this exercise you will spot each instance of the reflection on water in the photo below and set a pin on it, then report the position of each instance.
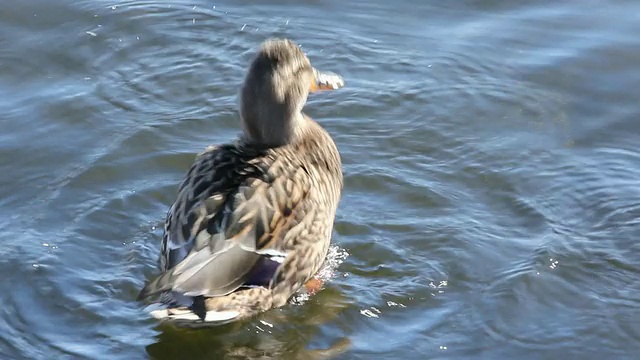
(279, 334)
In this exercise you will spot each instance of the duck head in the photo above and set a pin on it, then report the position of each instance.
(275, 90)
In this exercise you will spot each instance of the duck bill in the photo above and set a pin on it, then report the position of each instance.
(325, 80)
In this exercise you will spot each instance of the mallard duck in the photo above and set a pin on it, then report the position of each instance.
(253, 219)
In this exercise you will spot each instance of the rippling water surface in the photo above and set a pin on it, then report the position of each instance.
(491, 154)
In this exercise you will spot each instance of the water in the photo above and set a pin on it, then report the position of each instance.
(491, 155)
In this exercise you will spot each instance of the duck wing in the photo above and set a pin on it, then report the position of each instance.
(233, 205)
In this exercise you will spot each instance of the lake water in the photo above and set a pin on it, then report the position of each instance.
(491, 154)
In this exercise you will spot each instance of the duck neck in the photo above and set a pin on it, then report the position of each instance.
(268, 129)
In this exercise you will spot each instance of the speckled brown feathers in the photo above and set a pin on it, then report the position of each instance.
(252, 209)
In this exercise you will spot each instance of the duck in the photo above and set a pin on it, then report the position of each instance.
(253, 218)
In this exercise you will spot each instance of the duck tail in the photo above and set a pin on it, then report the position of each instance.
(213, 311)
(186, 316)
(195, 315)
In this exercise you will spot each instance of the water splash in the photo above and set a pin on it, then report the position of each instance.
(335, 256)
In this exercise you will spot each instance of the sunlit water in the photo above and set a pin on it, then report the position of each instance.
(491, 154)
